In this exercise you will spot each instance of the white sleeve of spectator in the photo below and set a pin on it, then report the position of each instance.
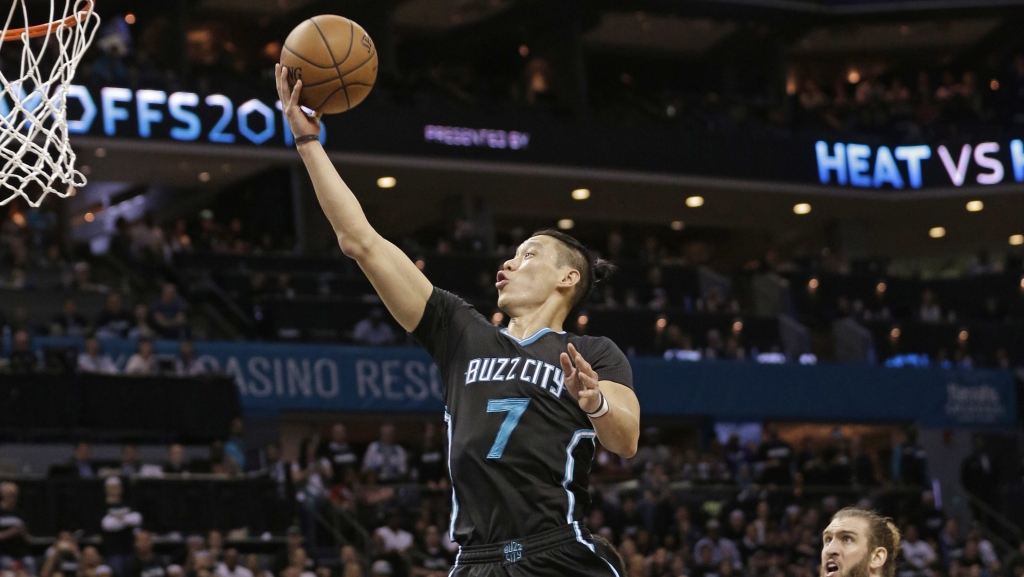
(403, 461)
(111, 523)
(372, 458)
(133, 519)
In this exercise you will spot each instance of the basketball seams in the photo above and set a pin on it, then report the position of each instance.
(348, 103)
(332, 93)
(304, 59)
(361, 64)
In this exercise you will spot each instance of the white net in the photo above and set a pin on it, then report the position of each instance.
(36, 158)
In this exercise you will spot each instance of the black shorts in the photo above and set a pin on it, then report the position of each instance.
(568, 551)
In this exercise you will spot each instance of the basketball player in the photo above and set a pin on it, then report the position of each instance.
(859, 543)
(523, 404)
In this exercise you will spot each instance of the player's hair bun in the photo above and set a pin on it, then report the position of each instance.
(601, 269)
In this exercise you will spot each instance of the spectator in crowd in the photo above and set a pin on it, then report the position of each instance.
(93, 360)
(930, 519)
(143, 362)
(118, 529)
(298, 564)
(381, 568)
(374, 330)
(776, 456)
(393, 538)
(23, 359)
(113, 321)
(62, 557)
(721, 548)
(83, 281)
(385, 457)
(429, 466)
(430, 559)
(145, 563)
(917, 553)
(255, 566)
(175, 464)
(351, 563)
(311, 477)
(979, 475)
(169, 313)
(69, 321)
(909, 461)
(929, 312)
(142, 327)
(13, 531)
(234, 447)
(230, 567)
(215, 545)
(340, 454)
(951, 541)
(130, 464)
(81, 466)
(187, 364)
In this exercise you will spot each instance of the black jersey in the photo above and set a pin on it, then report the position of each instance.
(519, 446)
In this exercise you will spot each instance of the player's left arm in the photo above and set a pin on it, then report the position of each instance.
(619, 428)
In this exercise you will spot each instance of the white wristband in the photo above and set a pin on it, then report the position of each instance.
(602, 410)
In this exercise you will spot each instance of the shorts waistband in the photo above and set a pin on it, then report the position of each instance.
(513, 550)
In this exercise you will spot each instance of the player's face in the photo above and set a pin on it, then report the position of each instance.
(529, 278)
(845, 549)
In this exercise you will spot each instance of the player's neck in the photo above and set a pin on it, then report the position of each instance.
(526, 323)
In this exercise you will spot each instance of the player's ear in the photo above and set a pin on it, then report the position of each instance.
(570, 278)
(878, 557)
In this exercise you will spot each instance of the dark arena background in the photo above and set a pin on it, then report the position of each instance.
(816, 207)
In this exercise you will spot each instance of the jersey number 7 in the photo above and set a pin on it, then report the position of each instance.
(515, 409)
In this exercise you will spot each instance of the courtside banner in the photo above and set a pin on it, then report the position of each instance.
(273, 378)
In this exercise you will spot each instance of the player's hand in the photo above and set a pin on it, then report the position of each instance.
(300, 122)
(580, 380)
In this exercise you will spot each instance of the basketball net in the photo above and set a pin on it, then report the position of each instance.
(35, 156)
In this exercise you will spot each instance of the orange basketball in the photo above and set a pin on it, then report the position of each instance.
(335, 59)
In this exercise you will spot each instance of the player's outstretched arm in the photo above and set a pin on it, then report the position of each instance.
(618, 428)
(403, 287)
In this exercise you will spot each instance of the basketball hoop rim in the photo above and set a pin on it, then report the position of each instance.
(44, 29)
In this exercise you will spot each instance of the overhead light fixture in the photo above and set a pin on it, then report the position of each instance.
(1017, 239)
(975, 206)
(695, 201)
(204, 177)
(566, 224)
(678, 225)
(386, 182)
(802, 208)
(581, 194)
(937, 232)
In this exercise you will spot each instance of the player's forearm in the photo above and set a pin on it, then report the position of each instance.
(338, 202)
(618, 430)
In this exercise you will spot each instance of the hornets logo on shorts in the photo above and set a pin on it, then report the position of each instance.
(513, 551)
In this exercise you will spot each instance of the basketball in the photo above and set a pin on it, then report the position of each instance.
(335, 59)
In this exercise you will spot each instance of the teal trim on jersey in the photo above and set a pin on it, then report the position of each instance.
(455, 502)
(570, 463)
(532, 338)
